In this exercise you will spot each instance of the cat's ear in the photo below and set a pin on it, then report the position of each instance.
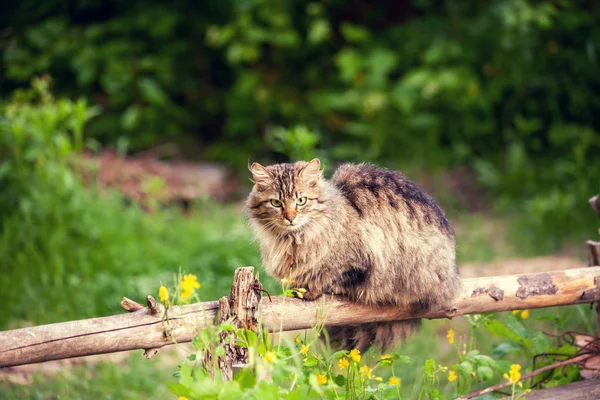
(261, 176)
(312, 171)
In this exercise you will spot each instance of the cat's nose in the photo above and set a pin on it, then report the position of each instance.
(289, 216)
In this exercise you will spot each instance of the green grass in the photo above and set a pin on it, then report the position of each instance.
(84, 269)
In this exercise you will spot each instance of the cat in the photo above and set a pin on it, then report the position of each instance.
(369, 234)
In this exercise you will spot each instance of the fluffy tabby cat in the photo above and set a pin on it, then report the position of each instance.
(368, 233)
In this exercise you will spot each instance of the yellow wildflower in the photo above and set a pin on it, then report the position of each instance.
(183, 398)
(452, 376)
(394, 380)
(270, 357)
(515, 312)
(355, 355)
(513, 375)
(525, 314)
(304, 349)
(343, 363)
(321, 379)
(297, 340)
(386, 357)
(365, 371)
(378, 378)
(450, 336)
(163, 294)
(188, 284)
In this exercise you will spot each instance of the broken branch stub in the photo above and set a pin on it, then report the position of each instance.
(595, 203)
(242, 309)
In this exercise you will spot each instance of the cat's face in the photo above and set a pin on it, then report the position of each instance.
(285, 197)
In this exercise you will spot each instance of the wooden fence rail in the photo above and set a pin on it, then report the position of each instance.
(150, 328)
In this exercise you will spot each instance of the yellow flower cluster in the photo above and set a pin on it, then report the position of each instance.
(450, 336)
(343, 363)
(270, 357)
(386, 357)
(304, 349)
(514, 375)
(524, 313)
(188, 284)
(163, 294)
(394, 380)
(321, 379)
(365, 371)
(452, 376)
(355, 355)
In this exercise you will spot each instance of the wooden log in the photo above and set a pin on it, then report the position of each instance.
(585, 390)
(143, 330)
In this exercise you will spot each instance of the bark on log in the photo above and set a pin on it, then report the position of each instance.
(593, 252)
(242, 309)
(585, 390)
(142, 330)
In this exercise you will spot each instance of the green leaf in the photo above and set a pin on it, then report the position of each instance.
(339, 354)
(340, 380)
(178, 389)
(131, 117)
(267, 391)
(230, 390)
(354, 33)
(471, 354)
(517, 326)
(503, 348)
(484, 372)
(185, 374)
(349, 63)
(540, 343)
(246, 378)
(484, 360)
(499, 329)
(151, 91)
(465, 368)
(318, 31)
(311, 361)
(219, 351)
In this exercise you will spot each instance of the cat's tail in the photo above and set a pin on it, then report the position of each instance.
(383, 335)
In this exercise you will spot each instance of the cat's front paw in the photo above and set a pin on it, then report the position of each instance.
(308, 295)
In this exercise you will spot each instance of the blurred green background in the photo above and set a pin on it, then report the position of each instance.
(493, 106)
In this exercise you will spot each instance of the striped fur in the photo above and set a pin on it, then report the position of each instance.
(368, 233)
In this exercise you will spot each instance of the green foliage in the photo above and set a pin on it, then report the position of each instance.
(506, 87)
(81, 250)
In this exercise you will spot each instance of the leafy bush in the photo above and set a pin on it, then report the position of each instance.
(76, 250)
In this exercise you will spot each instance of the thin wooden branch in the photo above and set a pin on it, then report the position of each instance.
(143, 330)
(573, 360)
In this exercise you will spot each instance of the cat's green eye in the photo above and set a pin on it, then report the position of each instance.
(301, 201)
(276, 203)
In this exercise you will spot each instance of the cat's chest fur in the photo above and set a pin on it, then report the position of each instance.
(297, 257)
